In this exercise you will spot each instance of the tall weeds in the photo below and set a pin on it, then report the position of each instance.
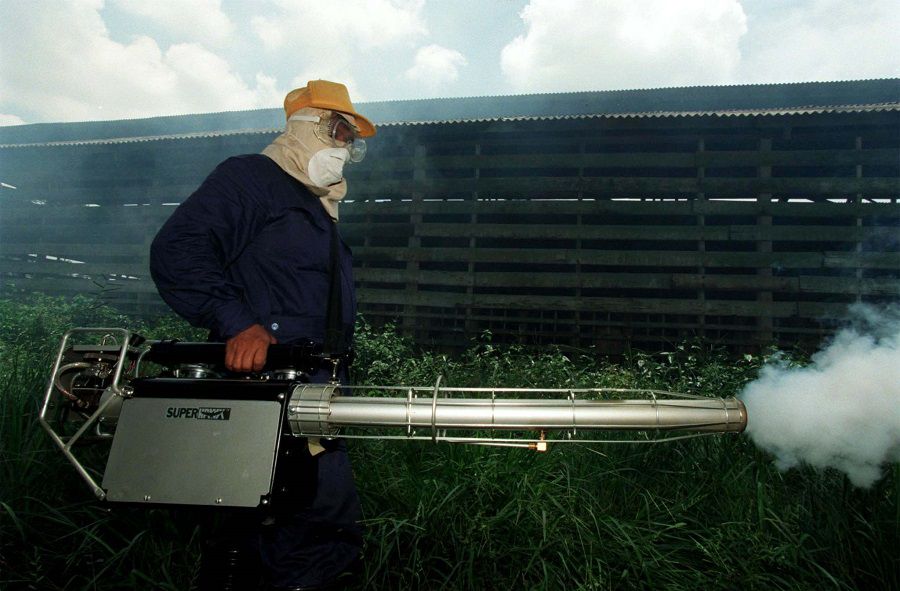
(708, 513)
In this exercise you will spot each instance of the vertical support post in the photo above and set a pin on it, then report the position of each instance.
(700, 221)
(857, 200)
(764, 320)
(575, 320)
(470, 325)
(415, 242)
(150, 215)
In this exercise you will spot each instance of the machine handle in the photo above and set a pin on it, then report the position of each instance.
(307, 356)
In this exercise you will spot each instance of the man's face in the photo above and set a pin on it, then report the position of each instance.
(342, 131)
(335, 130)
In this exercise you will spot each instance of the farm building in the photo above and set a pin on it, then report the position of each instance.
(744, 215)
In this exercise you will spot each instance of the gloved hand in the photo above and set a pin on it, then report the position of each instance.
(246, 351)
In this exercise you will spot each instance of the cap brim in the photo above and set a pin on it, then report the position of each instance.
(366, 127)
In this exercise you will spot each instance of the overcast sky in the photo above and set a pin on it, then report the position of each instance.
(71, 60)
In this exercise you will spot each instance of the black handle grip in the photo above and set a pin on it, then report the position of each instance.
(304, 356)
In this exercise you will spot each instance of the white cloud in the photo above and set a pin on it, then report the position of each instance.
(326, 39)
(204, 78)
(607, 44)
(435, 66)
(823, 40)
(75, 71)
(10, 120)
(360, 24)
(198, 20)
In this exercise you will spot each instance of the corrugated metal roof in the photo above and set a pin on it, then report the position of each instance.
(722, 101)
(147, 138)
(653, 114)
(669, 114)
(685, 99)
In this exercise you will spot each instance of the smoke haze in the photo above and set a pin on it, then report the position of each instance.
(842, 410)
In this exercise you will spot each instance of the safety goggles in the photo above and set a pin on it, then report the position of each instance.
(337, 132)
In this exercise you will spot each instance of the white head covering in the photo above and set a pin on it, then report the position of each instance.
(292, 151)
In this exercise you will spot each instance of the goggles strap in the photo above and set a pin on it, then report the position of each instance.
(310, 118)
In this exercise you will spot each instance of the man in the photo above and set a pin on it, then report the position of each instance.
(254, 256)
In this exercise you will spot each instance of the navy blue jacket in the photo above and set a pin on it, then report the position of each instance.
(251, 245)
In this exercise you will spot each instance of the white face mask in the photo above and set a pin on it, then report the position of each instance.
(326, 167)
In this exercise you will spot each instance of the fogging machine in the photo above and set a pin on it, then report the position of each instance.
(182, 431)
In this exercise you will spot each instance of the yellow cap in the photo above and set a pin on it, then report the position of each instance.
(323, 94)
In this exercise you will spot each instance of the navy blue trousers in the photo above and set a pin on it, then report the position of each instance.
(311, 544)
(312, 532)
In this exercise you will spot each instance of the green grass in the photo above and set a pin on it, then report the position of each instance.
(709, 513)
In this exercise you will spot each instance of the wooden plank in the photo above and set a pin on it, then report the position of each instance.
(796, 209)
(624, 325)
(882, 286)
(139, 269)
(649, 258)
(140, 218)
(84, 252)
(847, 157)
(573, 232)
(157, 214)
(403, 276)
(484, 206)
(660, 281)
(655, 232)
(528, 186)
(59, 193)
(101, 236)
(634, 186)
(803, 284)
(574, 159)
(485, 319)
(812, 233)
(809, 285)
(74, 285)
(186, 171)
(862, 260)
(734, 282)
(609, 305)
(631, 207)
(513, 279)
(376, 228)
(636, 208)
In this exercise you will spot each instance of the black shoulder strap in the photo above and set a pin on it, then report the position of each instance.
(334, 323)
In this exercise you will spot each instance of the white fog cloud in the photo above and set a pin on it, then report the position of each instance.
(84, 74)
(435, 66)
(841, 411)
(609, 44)
(198, 20)
(823, 40)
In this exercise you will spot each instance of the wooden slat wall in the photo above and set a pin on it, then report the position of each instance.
(593, 232)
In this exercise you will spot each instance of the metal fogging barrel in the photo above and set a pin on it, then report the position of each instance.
(430, 412)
